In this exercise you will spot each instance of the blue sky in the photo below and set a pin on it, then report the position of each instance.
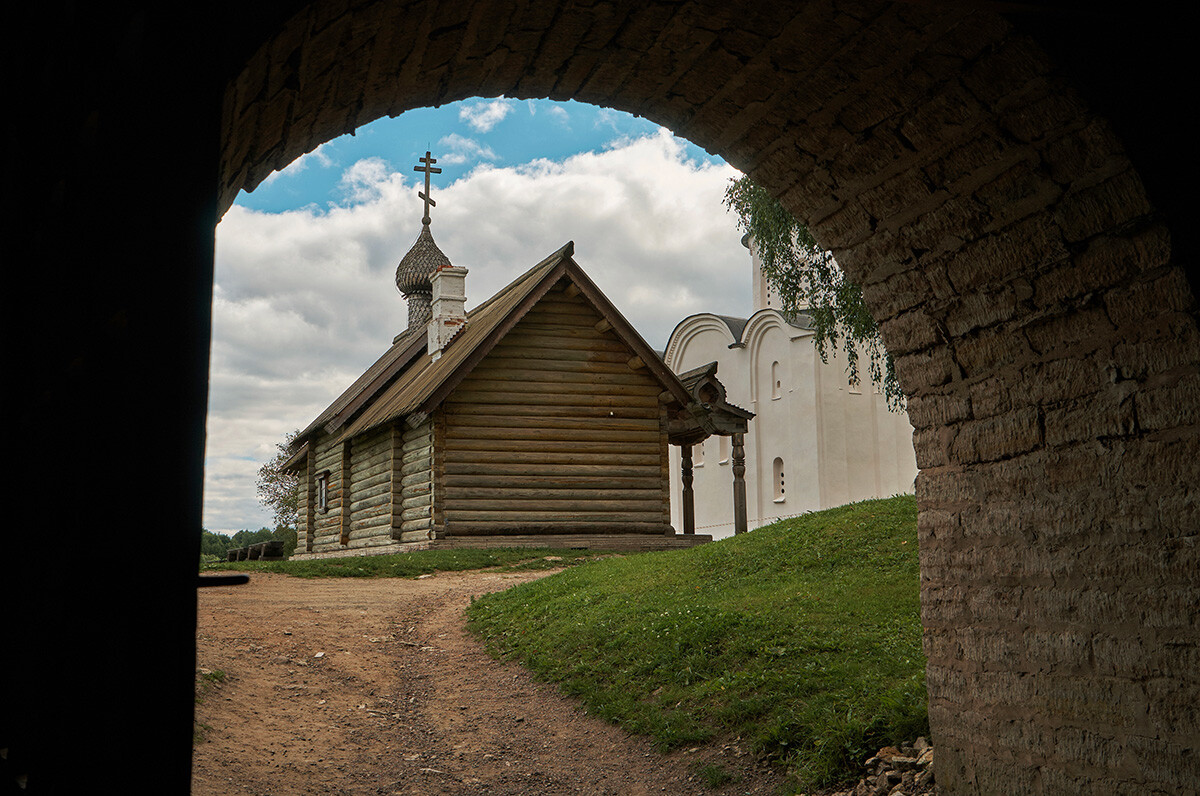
(304, 297)
(462, 135)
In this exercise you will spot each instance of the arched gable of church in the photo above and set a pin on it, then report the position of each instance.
(690, 330)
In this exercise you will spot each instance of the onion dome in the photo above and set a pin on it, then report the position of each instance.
(416, 269)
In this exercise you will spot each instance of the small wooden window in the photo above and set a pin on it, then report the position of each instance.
(323, 491)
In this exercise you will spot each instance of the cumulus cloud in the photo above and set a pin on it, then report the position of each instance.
(483, 116)
(320, 156)
(305, 299)
(460, 149)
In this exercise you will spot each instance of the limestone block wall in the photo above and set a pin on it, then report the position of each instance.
(1039, 311)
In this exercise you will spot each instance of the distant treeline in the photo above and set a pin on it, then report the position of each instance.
(217, 544)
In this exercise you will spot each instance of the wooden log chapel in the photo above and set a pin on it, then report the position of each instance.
(540, 418)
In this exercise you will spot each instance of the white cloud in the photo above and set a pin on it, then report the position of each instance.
(459, 149)
(483, 116)
(320, 156)
(305, 299)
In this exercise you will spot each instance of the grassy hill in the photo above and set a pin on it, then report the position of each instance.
(802, 638)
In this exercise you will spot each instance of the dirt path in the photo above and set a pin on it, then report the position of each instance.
(375, 687)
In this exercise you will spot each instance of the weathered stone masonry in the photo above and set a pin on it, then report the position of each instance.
(1023, 280)
(1016, 242)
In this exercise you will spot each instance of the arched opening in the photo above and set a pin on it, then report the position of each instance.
(1002, 239)
(777, 480)
(1033, 292)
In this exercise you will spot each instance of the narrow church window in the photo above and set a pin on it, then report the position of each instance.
(724, 450)
(698, 454)
(776, 382)
(323, 492)
(779, 489)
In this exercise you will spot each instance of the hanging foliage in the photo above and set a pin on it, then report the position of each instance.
(808, 281)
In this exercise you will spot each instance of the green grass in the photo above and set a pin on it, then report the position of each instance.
(802, 638)
(416, 563)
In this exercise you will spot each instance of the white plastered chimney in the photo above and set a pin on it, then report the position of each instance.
(449, 308)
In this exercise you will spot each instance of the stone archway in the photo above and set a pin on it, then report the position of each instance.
(1023, 280)
(1037, 299)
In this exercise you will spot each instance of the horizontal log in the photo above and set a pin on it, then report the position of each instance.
(507, 349)
(577, 315)
(601, 422)
(551, 502)
(414, 501)
(648, 492)
(530, 432)
(518, 362)
(643, 410)
(552, 457)
(408, 527)
(367, 501)
(417, 458)
(603, 325)
(365, 531)
(593, 376)
(509, 394)
(547, 481)
(371, 481)
(492, 515)
(416, 512)
(515, 527)
(599, 391)
(513, 470)
(561, 337)
(646, 446)
(415, 535)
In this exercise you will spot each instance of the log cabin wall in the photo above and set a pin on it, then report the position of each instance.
(555, 432)
(371, 488)
(327, 524)
(412, 506)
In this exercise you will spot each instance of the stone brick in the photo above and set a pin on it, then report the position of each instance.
(930, 409)
(1082, 153)
(1107, 414)
(990, 351)
(924, 369)
(1017, 194)
(1069, 332)
(931, 446)
(1039, 116)
(1007, 70)
(989, 397)
(1175, 342)
(997, 437)
(1020, 249)
(950, 113)
(912, 331)
(982, 309)
(1169, 292)
(1102, 207)
(1171, 406)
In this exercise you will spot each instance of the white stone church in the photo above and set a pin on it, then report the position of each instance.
(815, 441)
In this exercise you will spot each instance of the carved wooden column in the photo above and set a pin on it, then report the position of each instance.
(739, 485)
(689, 497)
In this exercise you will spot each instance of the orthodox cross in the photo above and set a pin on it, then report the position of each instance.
(428, 169)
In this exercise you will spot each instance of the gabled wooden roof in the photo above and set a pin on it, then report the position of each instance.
(426, 382)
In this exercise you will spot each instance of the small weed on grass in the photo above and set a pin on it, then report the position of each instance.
(715, 776)
(803, 637)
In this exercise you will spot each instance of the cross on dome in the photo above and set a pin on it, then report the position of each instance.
(428, 169)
